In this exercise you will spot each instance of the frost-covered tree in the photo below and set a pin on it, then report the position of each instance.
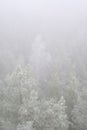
(27, 108)
(25, 126)
(27, 112)
(44, 114)
(23, 105)
(18, 86)
(51, 114)
(56, 87)
(79, 113)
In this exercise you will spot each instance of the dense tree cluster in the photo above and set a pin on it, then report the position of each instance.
(22, 107)
(48, 93)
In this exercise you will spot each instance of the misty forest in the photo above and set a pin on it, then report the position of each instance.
(43, 65)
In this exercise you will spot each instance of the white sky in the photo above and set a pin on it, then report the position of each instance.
(50, 8)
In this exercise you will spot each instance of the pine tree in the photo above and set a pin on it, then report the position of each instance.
(51, 114)
(18, 87)
(79, 113)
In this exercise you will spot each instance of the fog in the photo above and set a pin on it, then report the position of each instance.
(43, 64)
